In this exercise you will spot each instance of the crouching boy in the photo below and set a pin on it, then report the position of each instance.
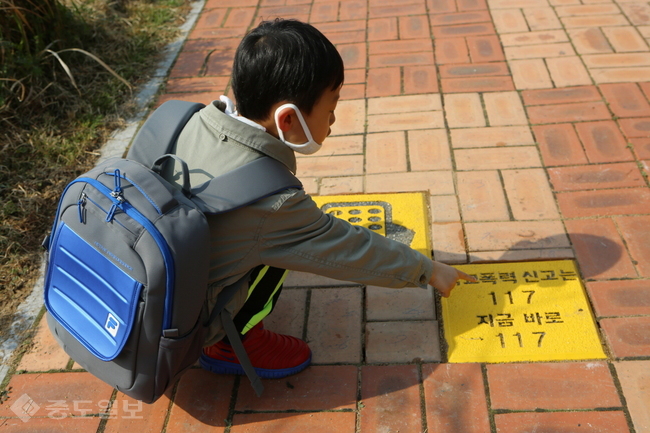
(286, 80)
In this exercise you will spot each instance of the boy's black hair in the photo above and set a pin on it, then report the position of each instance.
(283, 60)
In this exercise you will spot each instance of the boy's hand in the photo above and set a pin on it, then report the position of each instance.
(444, 278)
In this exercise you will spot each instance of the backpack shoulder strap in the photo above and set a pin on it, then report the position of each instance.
(161, 130)
(247, 184)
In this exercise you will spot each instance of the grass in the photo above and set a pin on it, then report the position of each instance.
(57, 106)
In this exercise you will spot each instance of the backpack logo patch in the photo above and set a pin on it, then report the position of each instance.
(112, 325)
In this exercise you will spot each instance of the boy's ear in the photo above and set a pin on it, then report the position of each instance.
(285, 119)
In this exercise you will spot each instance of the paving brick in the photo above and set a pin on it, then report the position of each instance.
(397, 10)
(620, 297)
(635, 128)
(441, 6)
(350, 118)
(198, 84)
(405, 104)
(637, 13)
(570, 385)
(477, 84)
(568, 71)
(515, 235)
(401, 46)
(386, 152)
(559, 145)
(405, 341)
(347, 37)
(460, 18)
(636, 234)
(210, 4)
(530, 74)
(494, 136)
(45, 353)
(208, 45)
(316, 422)
(627, 336)
(451, 50)
(240, 17)
(391, 399)
(332, 387)
(73, 394)
(559, 96)
(625, 39)
(471, 5)
(343, 26)
(201, 402)
(132, 415)
(464, 110)
(529, 194)
(405, 121)
(409, 303)
(420, 79)
(405, 59)
(428, 149)
(641, 147)
(589, 40)
(624, 60)
(594, 21)
(539, 51)
(534, 38)
(340, 145)
(599, 249)
(219, 63)
(481, 196)
(448, 242)
(504, 108)
(323, 12)
(509, 21)
(382, 29)
(51, 425)
(436, 182)
(622, 175)
(455, 398)
(341, 185)
(414, 27)
(604, 202)
(352, 10)
(635, 381)
(474, 70)
(353, 55)
(288, 314)
(603, 142)
(506, 4)
(521, 255)
(334, 326)
(497, 158)
(299, 12)
(598, 422)
(353, 91)
(331, 165)
(485, 49)
(215, 33)
(476, 29)
(211, 18)
(577, 112)
(202, 97)
(578, 11)
(384, 82)
(626, 100)
(444, 209)
(542, 18)
(188, 64)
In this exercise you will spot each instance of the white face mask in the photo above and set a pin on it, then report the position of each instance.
(306, 148)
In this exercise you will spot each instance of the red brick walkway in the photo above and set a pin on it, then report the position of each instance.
(528, 123)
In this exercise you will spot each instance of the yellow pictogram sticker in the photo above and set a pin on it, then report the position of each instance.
(401, 217)
(532, 311)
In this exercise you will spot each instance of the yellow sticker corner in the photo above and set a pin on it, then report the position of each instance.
(523, 311)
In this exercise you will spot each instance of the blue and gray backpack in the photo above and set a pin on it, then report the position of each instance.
(127, 269)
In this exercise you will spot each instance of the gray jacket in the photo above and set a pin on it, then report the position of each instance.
(286, 230)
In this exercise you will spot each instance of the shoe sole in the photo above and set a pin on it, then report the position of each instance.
(224, 367)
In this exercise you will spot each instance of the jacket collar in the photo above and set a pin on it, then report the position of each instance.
(255, 138)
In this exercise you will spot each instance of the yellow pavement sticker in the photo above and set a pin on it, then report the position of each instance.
(529, 311)
(401, 217)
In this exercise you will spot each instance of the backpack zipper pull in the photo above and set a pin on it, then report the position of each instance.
(81, 206)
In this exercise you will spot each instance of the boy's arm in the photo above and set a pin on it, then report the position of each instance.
(299, 236)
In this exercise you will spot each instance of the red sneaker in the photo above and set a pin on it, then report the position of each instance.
(273, 355)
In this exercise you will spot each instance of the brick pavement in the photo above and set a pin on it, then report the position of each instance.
(527, 122)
